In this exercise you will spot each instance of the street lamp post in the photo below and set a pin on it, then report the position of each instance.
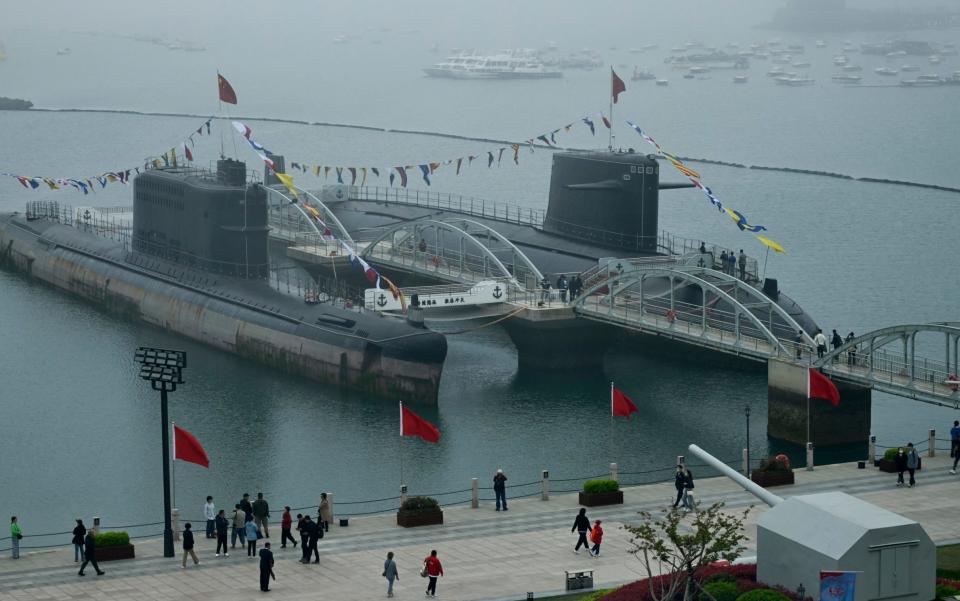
(747, 410)
(162, 368)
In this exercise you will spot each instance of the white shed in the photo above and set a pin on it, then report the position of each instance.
(803, 535)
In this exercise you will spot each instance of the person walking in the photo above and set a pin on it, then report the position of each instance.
(955, 445)
(852, 351)
(304, 536)
(266, 567)
(315, 529)
(596, 536)
(325, 511)
(286, 523)
(913, 462)
(742, 261)
(253, 533)
(246, 507)
(390, 573)
(188, 546)
(679, 482)
(821, 341)
(79, 532)
(15, 536)
(562, 288)
(261, 514)
(210, 512)
(900, 461)
(582, 525)
(434, 570)
(798, 343)
(90, 554)
(688, 489)
(220, 525)
(238, 530)
(500, 489)
(836, 341)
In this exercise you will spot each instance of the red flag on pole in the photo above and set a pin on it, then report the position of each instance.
(412, 424)
(620, 404)
(819, 386)
(186, 447)
(226, 90)
(616, 85)
(186, 151)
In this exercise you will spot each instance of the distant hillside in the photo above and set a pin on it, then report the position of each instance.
(835, 15)
(14, 104)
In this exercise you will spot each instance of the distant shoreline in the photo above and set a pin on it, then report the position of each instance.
(492, 141)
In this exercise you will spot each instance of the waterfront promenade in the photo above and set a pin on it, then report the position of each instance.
(486, 555)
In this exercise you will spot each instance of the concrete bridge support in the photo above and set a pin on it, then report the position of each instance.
(829, 425)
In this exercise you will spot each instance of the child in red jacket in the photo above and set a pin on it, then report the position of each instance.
(596, 537)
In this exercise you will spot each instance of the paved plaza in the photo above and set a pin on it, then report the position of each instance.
(486, 555)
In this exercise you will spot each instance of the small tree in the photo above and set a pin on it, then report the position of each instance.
(675, 550)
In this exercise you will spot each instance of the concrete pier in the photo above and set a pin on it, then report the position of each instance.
(787, 409)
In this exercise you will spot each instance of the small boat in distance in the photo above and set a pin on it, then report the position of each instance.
(885, 71)
(642, 74)
(840, 60)
(663, 82)
(846, 78)
(794, 81)
(821, 44)
(907, 68)
(934, 60)
(63, 51)
(739, 79)
(515, 64)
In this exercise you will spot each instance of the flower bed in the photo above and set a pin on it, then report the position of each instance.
(111, 546)
(743, 577)
(419, 511)
(601, 492)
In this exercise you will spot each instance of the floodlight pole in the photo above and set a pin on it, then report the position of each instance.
(163, 387)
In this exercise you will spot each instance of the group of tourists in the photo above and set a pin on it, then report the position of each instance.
(730, 261)
(683, 481)
(820, 345)
(567, 291)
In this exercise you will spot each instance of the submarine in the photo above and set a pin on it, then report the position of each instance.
(196, 262)
(602, 205)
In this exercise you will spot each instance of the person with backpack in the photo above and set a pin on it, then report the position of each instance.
(596, 537)
(188, 546)
(582, 525)
(79, 532)
(687, 489)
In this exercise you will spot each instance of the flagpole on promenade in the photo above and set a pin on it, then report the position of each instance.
(610, 129)
(220, 111)
(173, 465)
(400, 448)
(610, 445)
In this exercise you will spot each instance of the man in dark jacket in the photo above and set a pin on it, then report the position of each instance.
(188, 545)
(679, 482)
(261, 514)
(304, 535)
(309, 535)
(900, 461)
(222, 525)
(79, 532)
(266, 567)
(246, 506)
(582, 525)
(500, 489)
(90, 554)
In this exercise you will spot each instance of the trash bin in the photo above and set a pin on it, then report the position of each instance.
(344, 522)
(579, 579)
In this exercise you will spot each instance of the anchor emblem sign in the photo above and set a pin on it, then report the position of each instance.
(497, 292)
(382, 300)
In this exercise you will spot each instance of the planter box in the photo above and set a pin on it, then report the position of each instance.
(768, 479)
(890, 466)
(601, 498)
(410, 519)
(114, 553)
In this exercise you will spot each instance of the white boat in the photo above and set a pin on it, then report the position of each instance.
(846, 78)
(821, 44)
(794, 81)
(739, 79)
(840, 60)
(340, 39)
(662, 82)
(885, 71)
(896, 54)
(642, 74)
(923, 81)
(852, 68)
(510, 65)
(63, 51)
(908, 68)
(801, 64)
(934, 60)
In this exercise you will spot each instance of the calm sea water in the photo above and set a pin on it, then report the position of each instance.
(80, 433)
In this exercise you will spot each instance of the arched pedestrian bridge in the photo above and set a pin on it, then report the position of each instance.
(902, 360)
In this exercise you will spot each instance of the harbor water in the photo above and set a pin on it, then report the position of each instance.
(80, 433)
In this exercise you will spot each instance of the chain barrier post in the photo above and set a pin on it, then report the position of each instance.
(872, 449)
(545, 486)
(475, 493)
(613, 471)
(932, 443)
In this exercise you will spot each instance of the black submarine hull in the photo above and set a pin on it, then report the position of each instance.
(362, 351)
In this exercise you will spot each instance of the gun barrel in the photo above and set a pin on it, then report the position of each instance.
(757, 491)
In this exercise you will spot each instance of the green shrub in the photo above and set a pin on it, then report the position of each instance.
(772, 464)
(420, 504)
(763, 594)
(944, 591)
(719, 577)
(720, 591)
(111, 539)
(600, 594)
(595, 486)
(889, 454)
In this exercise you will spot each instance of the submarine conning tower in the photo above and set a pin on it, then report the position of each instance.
(214, 221)
(608, 198)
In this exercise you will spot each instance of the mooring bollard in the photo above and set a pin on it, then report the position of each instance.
(545, 486)
(613, 471)
(809, 456)
(932, 443)
(96, 525)
(745, 462)
(403, 494)
(872, 449)
(175, 519)
(475, 493)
